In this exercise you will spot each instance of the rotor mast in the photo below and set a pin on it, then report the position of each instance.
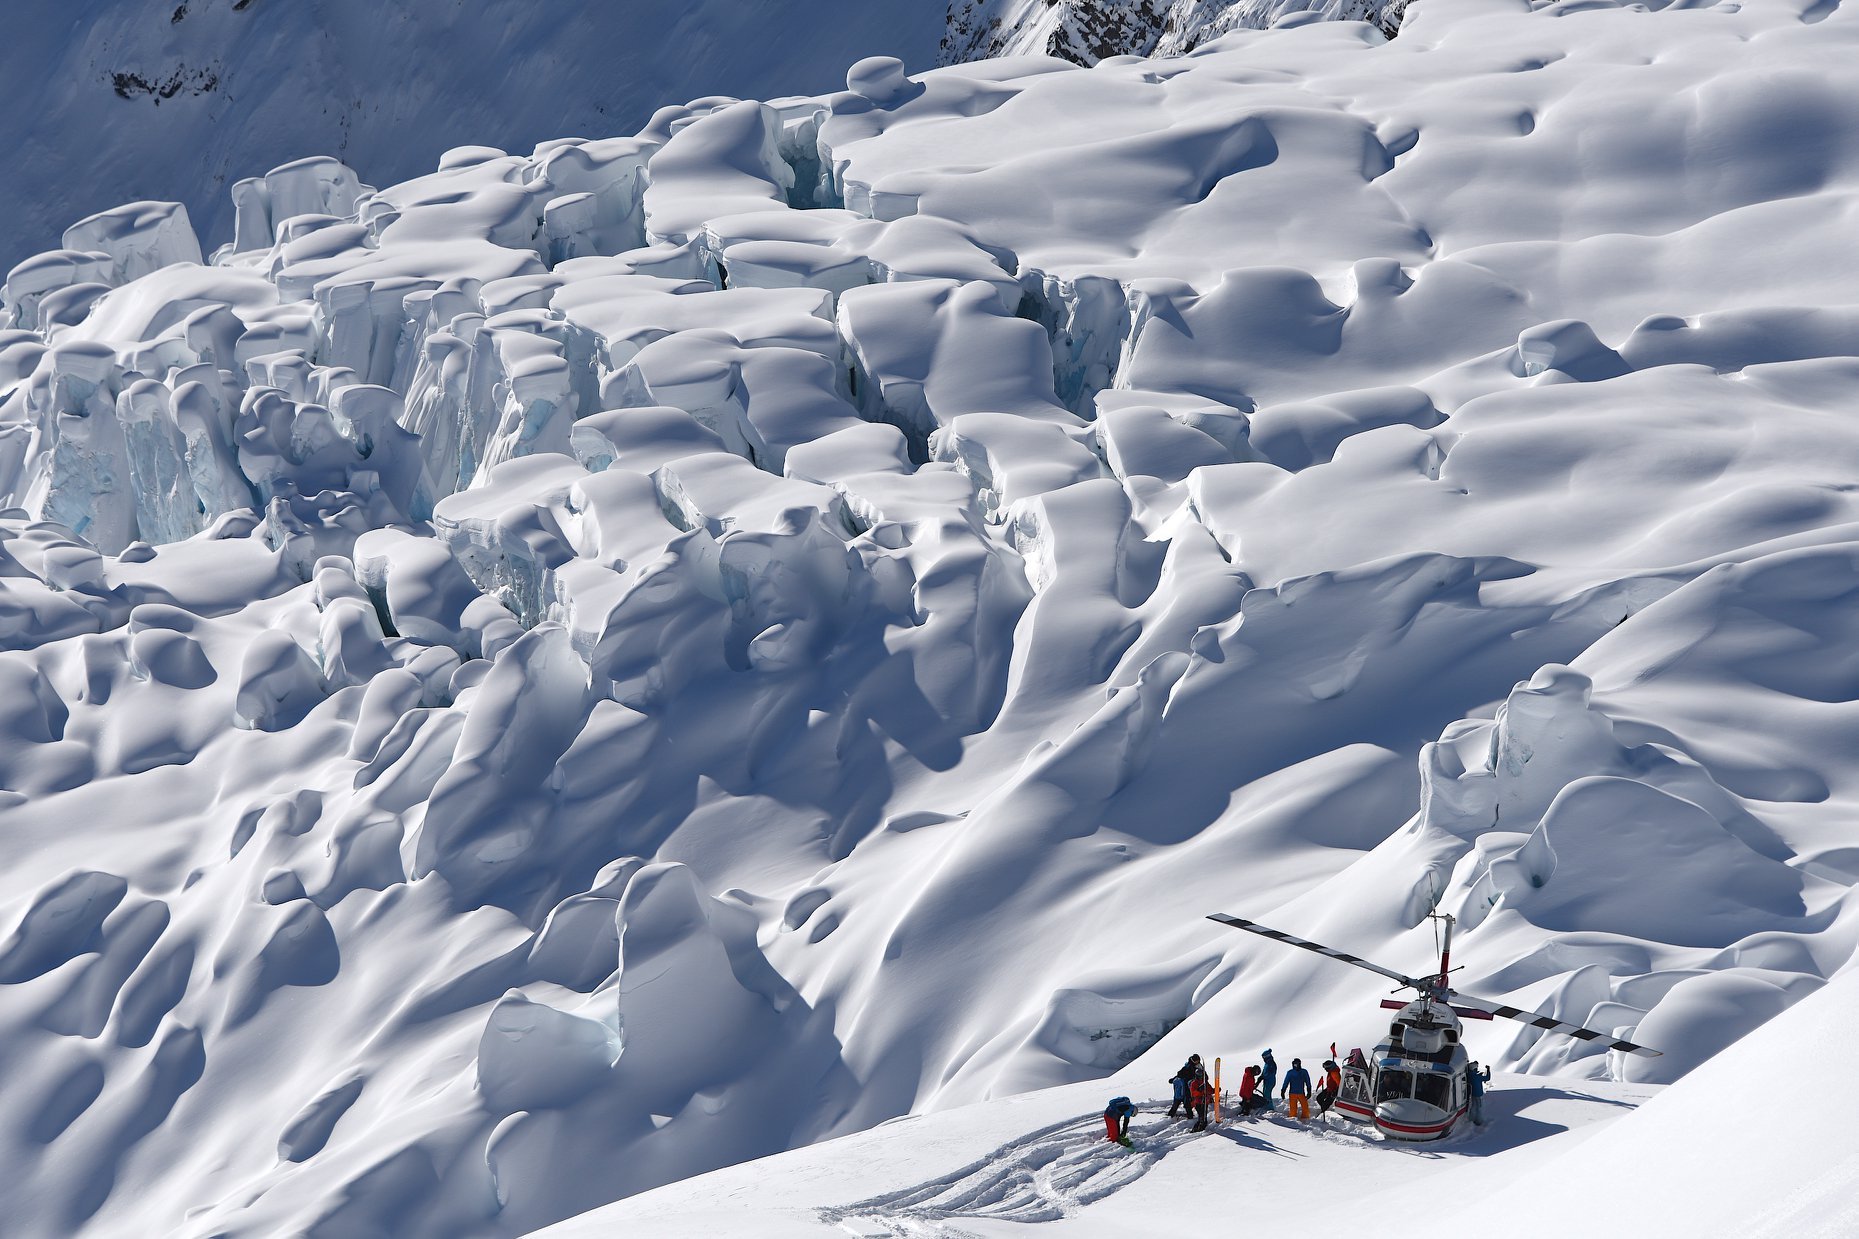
(1445, 955)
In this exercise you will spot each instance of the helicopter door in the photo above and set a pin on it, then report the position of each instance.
(1352, 1099)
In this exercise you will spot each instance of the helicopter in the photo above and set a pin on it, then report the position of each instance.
(1416, 1084)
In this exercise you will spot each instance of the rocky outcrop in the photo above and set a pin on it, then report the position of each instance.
(1087, 31)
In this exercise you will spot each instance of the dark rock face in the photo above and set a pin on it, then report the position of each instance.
(1091, 30)
(1087, 31)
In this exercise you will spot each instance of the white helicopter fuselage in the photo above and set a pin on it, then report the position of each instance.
(1413, 1087)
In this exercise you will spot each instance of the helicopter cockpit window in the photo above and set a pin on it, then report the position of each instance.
(1435, 1090)
(1394, 1084)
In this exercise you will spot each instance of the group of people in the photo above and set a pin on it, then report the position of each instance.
(1192, 1090)
(1257, 1084)
(1194, 1093)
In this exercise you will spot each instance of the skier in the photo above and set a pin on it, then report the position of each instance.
(1268, 1079)
(1201, 1095)
(1475, 1080)
(1117, 1120)
(1297, 1089)
(1181, 1080)
(1249, 1092)
(1332, 1085)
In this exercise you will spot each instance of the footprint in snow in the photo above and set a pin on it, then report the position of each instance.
(1041, 1177)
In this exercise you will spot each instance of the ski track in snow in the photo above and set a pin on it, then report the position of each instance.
(1045, 1175)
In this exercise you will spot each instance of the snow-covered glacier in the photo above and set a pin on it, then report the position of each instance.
(591, 665)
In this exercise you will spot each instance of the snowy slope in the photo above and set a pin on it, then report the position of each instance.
(1041, 1158)
(122, 99)
(593, 665)
(1702, 1157)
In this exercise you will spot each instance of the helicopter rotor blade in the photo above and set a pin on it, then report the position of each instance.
(1278, 935)
(1549, 1024)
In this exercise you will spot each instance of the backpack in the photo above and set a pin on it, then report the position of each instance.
(1120, 1106)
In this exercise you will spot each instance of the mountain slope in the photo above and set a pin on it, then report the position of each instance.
(583, 667)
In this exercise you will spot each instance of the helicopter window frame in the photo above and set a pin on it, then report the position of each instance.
(1433, 1088)
(1389, 1088)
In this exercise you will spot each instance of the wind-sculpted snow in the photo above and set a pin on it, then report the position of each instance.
(589, 666)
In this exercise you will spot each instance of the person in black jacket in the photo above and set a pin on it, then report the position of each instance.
(1181, 1079)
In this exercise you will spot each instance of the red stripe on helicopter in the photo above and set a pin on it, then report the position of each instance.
(1364, 1111)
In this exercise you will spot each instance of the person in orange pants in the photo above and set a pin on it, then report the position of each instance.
(1297, 1090)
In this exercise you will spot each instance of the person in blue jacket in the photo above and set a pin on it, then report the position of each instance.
(1297, 1090)
(1117, 1120)
(1268, 1079)
(1475, 1079)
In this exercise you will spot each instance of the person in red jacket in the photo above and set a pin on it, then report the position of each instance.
(1200, 1096)
(1248, 1091)
(1329, 1084)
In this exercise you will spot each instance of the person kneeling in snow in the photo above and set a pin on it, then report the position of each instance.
(1331, 1086)
(1249, 1098)
(1117, 1120)
(1297, 1090)
(1180, 1080)
(1200, 1096)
